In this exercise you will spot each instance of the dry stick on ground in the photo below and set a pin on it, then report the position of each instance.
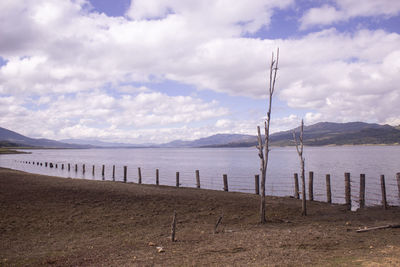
(378, 227)
(302, 159)
(263, 148)
(218, 223)
(173, 227)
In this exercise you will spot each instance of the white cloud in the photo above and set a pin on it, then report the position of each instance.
(348, 9)
(332, 75)
(92, 114)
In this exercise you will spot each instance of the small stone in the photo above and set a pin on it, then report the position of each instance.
(160, 249)
(151, 244)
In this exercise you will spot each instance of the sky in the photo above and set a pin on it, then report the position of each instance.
(153, 71)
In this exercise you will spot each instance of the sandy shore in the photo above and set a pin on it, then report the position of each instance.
(70, 222)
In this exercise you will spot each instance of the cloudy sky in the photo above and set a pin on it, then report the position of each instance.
(157, 70)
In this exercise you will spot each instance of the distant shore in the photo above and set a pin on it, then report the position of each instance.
(72, 222)
(4, 150)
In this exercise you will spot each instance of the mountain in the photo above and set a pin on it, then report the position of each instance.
(329, 133)
(319, 134)
(97, 143)
(213, 140)
(12, 139)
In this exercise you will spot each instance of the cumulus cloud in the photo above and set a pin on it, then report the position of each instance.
(59, 57)
(344, 10)
(92, 114)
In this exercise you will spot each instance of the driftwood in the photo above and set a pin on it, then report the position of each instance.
(218, 223)
(378, 227)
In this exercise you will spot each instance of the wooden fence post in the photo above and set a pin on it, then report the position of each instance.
(83, 168)
(93, 167)
(62, 166)
(113, 173)
(398, 182)
(56, 166)
(383, 189)
(157, 177)
(76, 167)
(311, 186)
(177, 179)
(362, 191)
(140, 176)
(347, 190)
(125, 173)
(328, 189)
(69, 167)
(296, 186)
(102, 172)
(257, 183)
(45, 164)
(197, 178)
(225, 177)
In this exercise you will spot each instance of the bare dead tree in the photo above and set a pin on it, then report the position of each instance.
(302, 160)
(263, 147)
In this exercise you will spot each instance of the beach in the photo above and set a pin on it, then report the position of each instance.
(74, 222)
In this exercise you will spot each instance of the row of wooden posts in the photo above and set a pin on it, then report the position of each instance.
(55, 165)
(347, 189)
(257, 182)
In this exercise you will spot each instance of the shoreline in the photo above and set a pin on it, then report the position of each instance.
(63, 221)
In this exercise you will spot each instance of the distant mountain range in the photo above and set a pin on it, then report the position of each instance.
(320, 134)
(12, 139)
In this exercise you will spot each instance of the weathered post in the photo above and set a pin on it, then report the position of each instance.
(45, 164)
(362, 190)
(328, 189)
(125, 173)
(140, 176)
(83, 168)
(311, 186)
(347, 189)
(257, 184)
(102, 172)
(197, 178)
(398, 182)
(157, 177)
(62, 166)
(56, 166)
(225, 177)
(76, 167)
(173, 227)
(113, 173)
(177, 179)
(69, 167)
(296, 186)
(93, 167)
(383, 189)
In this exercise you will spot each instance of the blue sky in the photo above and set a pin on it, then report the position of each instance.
(155, 71)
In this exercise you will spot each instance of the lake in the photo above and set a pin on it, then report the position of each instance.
(240, 164)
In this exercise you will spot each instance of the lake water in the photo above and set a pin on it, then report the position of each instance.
(240, 164)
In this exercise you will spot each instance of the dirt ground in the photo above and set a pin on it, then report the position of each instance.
(71, 222)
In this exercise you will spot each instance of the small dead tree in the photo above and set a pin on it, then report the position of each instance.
(302, 159)
(263, 147)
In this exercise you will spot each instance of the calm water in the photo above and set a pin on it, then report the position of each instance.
(240, 164)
